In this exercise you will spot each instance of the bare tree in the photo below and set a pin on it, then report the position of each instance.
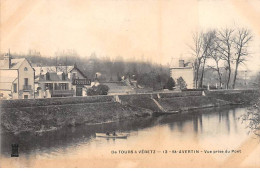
(201, 51)
(241, 41)
(224, 47)
(208, 43)
(197, 53)
(217, 59)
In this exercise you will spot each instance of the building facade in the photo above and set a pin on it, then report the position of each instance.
(16, 78)
(60, 81)
(184, 70)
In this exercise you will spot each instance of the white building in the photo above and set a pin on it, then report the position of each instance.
(16, 78)
(184, 70)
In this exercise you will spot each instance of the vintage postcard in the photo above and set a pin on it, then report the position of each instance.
(130, 83)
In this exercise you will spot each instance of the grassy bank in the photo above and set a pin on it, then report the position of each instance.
(142, 101)
(44, 114)
(186, 103)
(44, 117)
(235, 96)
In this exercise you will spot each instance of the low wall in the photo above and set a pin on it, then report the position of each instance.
(54, 101)
(92, 99)
(180, 94)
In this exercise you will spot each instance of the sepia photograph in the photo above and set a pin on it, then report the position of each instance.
(130, 84)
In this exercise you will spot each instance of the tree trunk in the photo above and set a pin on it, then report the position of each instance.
(229, 74)
(202, 74)
(219, 76)
(197, 75)
(235, 76)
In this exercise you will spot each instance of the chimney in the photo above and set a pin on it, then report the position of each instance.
(181, 63)
(7, 60)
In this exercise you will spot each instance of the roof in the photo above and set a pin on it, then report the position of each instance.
(76, 68)
(52, 69)
(15, 63)
(6, 86)
(7, 77)
(45, 69)
(53, 77)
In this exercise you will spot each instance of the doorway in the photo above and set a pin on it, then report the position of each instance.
(79, 91)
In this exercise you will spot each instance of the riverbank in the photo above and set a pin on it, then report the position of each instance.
(41, 115)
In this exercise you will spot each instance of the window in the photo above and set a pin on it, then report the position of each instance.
(49, 86)
(64, 86)
(63, 76)
(47, 76)
(15, 88)
(25, 69)
(26, 81)
(74, 75)
(56, 86)
(25, 96)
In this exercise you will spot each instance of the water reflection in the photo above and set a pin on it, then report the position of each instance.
(199, 124)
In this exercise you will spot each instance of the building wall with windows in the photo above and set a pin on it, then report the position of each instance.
(15, 89)
(16, 78)
(26, 81)
(8, 84)
(59, 81)
(79, 90)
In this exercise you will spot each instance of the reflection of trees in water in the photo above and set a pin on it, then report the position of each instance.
(180, 126)
(68, 136)
(227, 121)
(224, 115)
(252, 118)
(197, 123)
(234, 119)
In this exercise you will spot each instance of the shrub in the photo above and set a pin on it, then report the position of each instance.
(98, 90)
(170, 83)
(181, 83)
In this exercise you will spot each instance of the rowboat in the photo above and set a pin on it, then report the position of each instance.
(103, 135)
(39, 132)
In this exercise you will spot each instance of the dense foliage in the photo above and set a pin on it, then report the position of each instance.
(146, 74)
(98, 90)
(170, 84)
(181, 83)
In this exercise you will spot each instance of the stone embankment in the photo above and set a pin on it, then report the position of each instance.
(45, 114)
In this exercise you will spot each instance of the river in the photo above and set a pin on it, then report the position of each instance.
(205, 138)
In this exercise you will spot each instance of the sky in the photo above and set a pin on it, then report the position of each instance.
(156, 30)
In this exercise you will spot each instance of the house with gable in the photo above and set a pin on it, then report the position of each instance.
(16, 78)
(60, 81)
